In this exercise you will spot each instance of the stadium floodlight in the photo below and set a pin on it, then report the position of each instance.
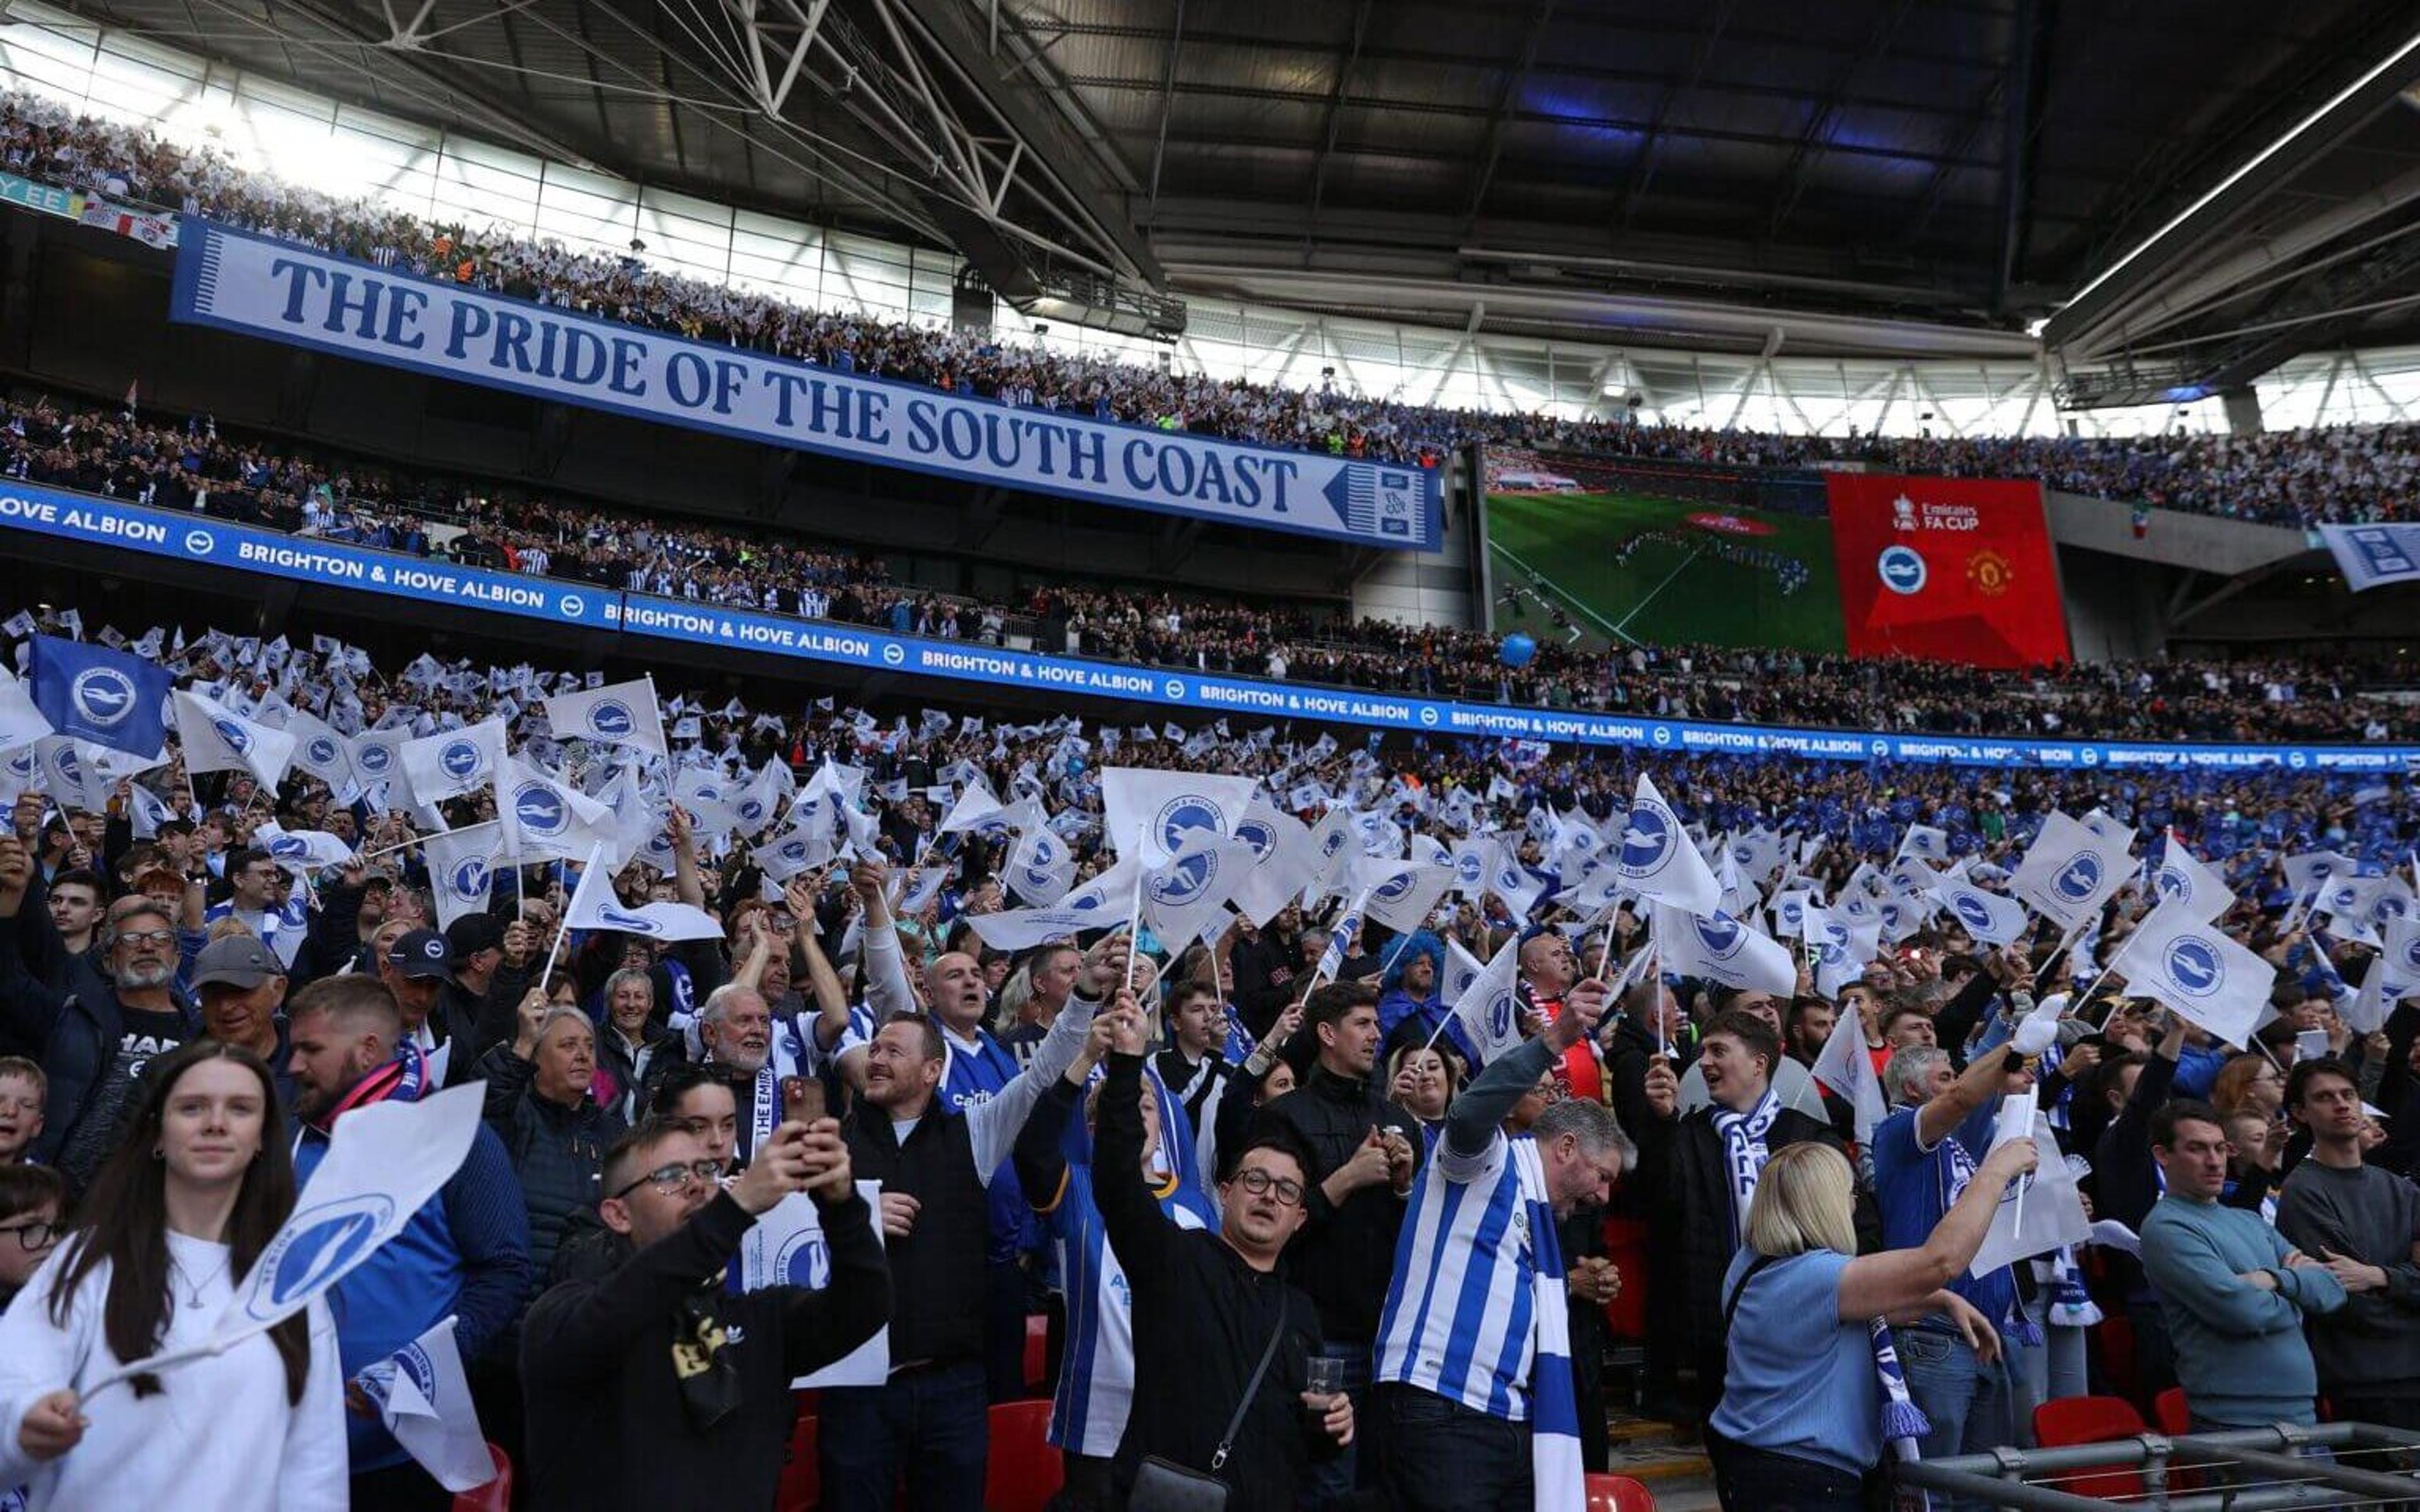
(2392, 59)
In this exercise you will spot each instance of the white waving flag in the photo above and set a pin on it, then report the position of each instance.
(1986, 916)
(1098, 904)
(378, 757)
(217, 739)
(1926, 841)
(1183, 896)
(620, 714)
(595, 907)
(1840, 947)
(2182, 878)
(1656, 858)
(320, 750)
(2038, 1213)
(1462, 968)
(1283, 844)
(1846, 1067)
(2348, 902)
(1329, 850)
(2305, 872)
(2197, 971)
(1489, 1009)
(2070, 871)
(1159, 808)
(21, 723)
(1718, 947)
(543, 820)
(461, 869)
(1041, 867)
(425, 1400)
(302, 847)
(453, 762)
(383, 1161)
(1402, 894)
(975, 805)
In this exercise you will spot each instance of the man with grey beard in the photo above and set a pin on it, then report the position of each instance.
(92, 1044)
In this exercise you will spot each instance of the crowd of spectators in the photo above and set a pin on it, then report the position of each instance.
(191, 465)
(2336, 474)
(647, 1104)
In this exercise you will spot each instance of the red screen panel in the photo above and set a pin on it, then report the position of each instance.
(1948, 569)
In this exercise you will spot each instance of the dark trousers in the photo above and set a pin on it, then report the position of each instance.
(1442, 1457)
(1004, 1332)
(2387, 1411)
(1089, 1485)
(1757, 1480)
(933, 1424)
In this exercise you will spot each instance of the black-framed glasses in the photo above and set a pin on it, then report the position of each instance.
(1259, 1183)
(671, 1178)
(34, 1236)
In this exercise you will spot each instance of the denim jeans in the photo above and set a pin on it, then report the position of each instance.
(2049, 1371)
(1442, 1457)
(1967, 1402)
(1329, 1481)
(934, 1424)
(1756, 1480)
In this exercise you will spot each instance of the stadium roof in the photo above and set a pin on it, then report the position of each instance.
(1821, 177)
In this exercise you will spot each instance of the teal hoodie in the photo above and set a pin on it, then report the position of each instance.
(2241, 1356)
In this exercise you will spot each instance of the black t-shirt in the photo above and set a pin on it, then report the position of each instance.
(144, 1034)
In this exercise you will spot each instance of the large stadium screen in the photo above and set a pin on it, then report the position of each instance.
(1600, 553)
(1593, 552)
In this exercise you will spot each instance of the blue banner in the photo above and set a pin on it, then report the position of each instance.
(333, 565)
(277, 290)
(2373, 556)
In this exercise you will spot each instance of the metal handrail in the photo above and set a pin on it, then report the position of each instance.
(1997, 1478)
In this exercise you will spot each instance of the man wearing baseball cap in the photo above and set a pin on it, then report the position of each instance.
(485, 989)
(416, 966)
(242, 985)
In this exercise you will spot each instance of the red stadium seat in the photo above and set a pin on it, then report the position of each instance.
(1025, 1471)
(802, 1480)
(495, 1496)
(2072, 1420)
(1618, 1493)
(2175, 1418)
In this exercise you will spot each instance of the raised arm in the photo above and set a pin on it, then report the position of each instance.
(1875, 1285)
(888, 990)
(1978, 1083)
(1139, 1230)
(1472, 1124)
(992, 1124)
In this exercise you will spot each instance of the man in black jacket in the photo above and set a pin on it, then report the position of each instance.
(1364, 1153)
(929, 1418)
(1700, 1168)
(648, 1386)
(1206, 1305)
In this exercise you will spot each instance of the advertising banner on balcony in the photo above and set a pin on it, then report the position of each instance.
(280, 291)
(1948, 569)
(246, 557)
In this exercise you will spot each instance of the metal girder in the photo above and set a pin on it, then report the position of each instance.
(1335, 109)
(1493, 149)
(778, 35)
(2104, 300)
(1167, 104)
(1810, 141)
(1055, 155)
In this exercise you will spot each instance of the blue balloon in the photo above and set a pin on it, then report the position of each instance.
(1517, 650)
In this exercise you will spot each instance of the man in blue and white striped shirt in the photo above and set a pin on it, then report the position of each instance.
(1473, 1371)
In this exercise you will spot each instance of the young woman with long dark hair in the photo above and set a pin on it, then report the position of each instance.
(173, 1221)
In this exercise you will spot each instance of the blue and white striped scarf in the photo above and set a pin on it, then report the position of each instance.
(1555, 1466)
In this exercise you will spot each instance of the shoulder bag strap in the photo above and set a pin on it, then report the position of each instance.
(1251, 1389)
(1731, 1308)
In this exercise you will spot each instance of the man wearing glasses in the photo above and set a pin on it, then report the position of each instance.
(651, 1386)
(1207, 1305)
(92, 1044)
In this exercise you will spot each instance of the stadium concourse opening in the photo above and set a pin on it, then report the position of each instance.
(1127, 754)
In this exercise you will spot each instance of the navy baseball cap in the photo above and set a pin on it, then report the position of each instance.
(421, 954)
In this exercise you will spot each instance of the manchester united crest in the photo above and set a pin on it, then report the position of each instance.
(1989, 572)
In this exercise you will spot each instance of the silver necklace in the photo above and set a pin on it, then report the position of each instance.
(194, 1288)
